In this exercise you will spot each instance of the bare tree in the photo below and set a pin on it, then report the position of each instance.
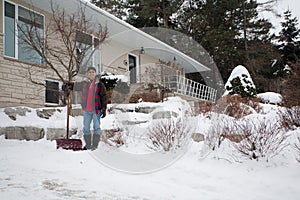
(65, 46)
(268, 5)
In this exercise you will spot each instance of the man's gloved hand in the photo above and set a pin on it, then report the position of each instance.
(103, 111)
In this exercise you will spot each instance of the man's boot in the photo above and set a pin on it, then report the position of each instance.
(87, 139)
(96, 139)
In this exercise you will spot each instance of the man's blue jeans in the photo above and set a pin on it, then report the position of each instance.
(88, 117)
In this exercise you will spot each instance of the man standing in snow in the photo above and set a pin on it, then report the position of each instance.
(94, 104)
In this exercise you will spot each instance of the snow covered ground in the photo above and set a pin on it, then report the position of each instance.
(37, 170)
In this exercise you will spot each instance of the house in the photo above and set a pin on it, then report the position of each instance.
(127, 51)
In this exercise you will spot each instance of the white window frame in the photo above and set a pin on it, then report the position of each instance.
(98, 68)
(59, 90)
(16, 27)
(138, 66)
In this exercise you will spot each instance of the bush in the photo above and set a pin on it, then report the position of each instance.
(114, 137)
(222, 127)
(213, 138)
(297, 147)
(122, 87)
(259, 139)
(243, 87)
(290, 117)
(148, 96)
(254, 139)
(168, 134)
(236, 106)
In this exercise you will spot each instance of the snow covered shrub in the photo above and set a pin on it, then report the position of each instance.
(236, 106)
(116, 86)
(270, 98)
(240, 82)
(109, 80)
(297, 147)
(114, 137)
(202, 107)
(122, 87)
(259, 138)
(237, 87)
(169, 134)
(213, 137)
(222, 127)
(290, 117)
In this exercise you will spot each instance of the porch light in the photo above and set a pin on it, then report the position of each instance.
(142, 50)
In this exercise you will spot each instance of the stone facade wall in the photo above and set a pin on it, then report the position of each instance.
(15, 89)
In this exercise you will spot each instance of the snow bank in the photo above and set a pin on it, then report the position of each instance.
(37, 170)
(57, 120)
(270, 97)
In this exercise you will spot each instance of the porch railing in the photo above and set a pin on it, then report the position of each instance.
(188, 87)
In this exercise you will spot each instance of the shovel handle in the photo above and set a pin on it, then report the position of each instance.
(68, 114)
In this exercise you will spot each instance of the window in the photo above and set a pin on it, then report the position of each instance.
(52, 92)
(9, 29)
(17, 21)
(87, 45)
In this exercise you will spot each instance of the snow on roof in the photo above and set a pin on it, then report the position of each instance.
(126, 34)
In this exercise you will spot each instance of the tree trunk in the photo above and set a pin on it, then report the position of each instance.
(166, 18)
(245, 40)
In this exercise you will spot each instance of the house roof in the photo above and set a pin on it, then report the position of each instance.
(127, 34)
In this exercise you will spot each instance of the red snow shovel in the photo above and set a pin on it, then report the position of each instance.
(66, 143)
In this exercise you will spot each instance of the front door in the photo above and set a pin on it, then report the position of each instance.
(132, 68)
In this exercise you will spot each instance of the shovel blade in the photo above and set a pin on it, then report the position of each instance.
(69, 144)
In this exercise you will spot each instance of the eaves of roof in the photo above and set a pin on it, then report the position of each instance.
(126, 34)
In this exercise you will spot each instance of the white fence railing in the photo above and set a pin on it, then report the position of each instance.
(188, 87)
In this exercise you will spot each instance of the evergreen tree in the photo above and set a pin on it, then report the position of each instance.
(240, 82)
(226, 29)
(237, 87)
(291, 87)
(288, 37)
(115, 7)
(153, 13)
(290, 51)
(139, 16)
(209, 23)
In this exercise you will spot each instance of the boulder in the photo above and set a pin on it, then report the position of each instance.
(198, 137)
(55, 133)
(132, 123)
(164, 115)
(24, 133)
(46, 113)
(76, 112)
(145, 109)
(13, 112)
(2, 130)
